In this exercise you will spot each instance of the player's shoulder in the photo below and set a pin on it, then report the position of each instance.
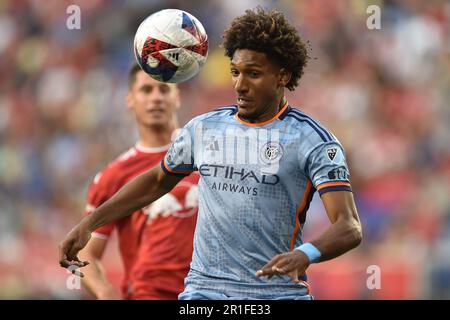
(112, 172)
(217, 113)
(307, 126)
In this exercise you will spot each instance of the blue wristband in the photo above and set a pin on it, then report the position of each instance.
(311, 252)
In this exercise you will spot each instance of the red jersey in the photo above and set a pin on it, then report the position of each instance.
(156, 242)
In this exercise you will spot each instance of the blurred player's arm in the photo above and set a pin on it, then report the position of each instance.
(95, 280)
(136, 194)
(344, 234)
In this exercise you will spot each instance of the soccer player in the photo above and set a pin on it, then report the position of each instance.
(260, 162)
(155, 242)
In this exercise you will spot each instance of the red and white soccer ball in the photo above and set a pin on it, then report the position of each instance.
(171, 45)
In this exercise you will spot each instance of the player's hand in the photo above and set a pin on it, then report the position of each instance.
(293, 264)
(74, 241)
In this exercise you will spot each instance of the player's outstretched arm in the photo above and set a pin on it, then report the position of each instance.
(344, 234)
(136, 194)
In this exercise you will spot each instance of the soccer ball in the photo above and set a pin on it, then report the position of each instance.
(171, 45)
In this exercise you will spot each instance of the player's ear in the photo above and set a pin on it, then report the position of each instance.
(176, 97)
(284, 77)
(129, 100)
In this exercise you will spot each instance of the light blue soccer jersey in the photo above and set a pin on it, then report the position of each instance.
(257, 181)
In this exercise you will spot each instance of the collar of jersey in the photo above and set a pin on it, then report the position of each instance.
(143, 149)
(258, 124)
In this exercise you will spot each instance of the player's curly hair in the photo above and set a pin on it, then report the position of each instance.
(268, 32)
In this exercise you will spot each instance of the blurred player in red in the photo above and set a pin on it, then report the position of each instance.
(156, 242)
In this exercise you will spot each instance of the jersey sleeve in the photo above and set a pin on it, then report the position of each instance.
(327, 168)
(97, 194)
(179, 159)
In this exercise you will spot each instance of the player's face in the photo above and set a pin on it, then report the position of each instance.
(258, 84)
(154, 103)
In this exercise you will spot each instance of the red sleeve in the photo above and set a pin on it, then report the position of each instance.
(97, 194)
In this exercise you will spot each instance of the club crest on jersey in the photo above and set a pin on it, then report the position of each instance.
(271, 152)
(331, 153)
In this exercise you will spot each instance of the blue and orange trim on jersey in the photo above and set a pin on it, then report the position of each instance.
(302, 208)
(299, 219)
(168, 171)
(323, 133)
(313, 123)
(279, 114)
(334, 186)
(307, 198)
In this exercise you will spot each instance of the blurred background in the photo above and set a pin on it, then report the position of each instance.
(384, 93)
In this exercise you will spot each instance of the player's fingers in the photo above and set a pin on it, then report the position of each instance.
(73, 252)
(68, 264)
(281, 265)
(286, 266)
(64, 261)
(265, 272)
(267, 268)
(269, 272)
(79, 263)
(274, 261)
(294, 275)
(82, 263)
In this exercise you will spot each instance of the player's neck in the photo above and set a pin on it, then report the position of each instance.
(280, 101)
(149, 138)
(270, 112)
